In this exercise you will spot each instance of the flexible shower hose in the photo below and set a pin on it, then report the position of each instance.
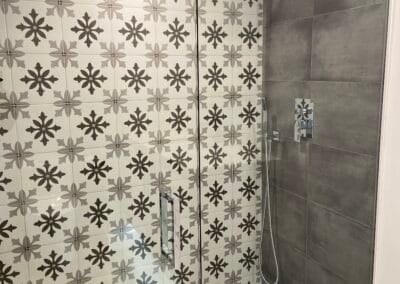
(267, 203)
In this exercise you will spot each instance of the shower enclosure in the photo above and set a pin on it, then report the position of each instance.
(324, 188)
(130, 141)
(133, 140)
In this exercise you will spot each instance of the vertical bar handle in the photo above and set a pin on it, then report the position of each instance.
(177, 230)
(170, 214)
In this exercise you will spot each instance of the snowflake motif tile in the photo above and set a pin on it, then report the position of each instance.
(186, 192)
(141, 206)
(42, 128)
(189, 237)
(180, 161)
(142, 246)
(34, 27)
(94, 169)
(215, 116)
(215, 156)
(47, 175)
(215, 34)
(93, 125)
(215, 265)
(13, 272)
(248, 35)
(40, 79)
(249, 224)
(90, 78)
(54, 264)
(217, 230)
(140, 163)
(87, 29)
(248, 259)
(248, 189)
(180, 119)
(215, 75)
(99, 213)
(138, 122)
(50, 222)
(11, 228)
(137, 77)
(216, 192)
(248, 76)
(248, 152)
(99, 255)
(134, 30)
(248, 114)
(178, 34)
(146, 274)
(177, 76)
(187, 272)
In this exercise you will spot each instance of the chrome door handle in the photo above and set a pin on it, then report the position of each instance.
(170, 214)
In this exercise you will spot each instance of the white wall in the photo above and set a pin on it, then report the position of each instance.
(387, 246)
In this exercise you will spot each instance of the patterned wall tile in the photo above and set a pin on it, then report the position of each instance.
(99, 114)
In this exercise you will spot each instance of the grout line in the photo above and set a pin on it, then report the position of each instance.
(314, 15)
(290, 139)
(12, 85)
(308, 201)
(325, 81)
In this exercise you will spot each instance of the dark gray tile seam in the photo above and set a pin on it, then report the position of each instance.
(266, 25)
(309, 258)
(325, 81)
(279, 23)
(308, 202)
(307, 215)
(278, 188)
(280, 239)
(354, 221)
(349, 9)
(283, 137)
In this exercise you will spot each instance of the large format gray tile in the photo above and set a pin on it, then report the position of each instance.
(343, 181)
(340, 245)
(347, 115)
(326, 6)
(282, 10)
(349, 45)
(292, 264)
(316, 274)
(288, 168)
(281, 104)
(291, 219)
(289, 50)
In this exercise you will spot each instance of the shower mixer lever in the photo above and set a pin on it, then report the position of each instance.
(304, 119)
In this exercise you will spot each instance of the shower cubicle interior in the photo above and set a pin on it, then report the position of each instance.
(109, 106)
(132, 148)
(324, 188)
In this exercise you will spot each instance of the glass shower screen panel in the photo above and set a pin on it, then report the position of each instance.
(98, 120)
(230, 65)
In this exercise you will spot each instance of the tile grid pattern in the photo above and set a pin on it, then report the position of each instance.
(230, 38)
(98, 115)
(325, 188)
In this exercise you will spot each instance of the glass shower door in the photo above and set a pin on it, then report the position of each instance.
(98, 120)
(230, 79)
